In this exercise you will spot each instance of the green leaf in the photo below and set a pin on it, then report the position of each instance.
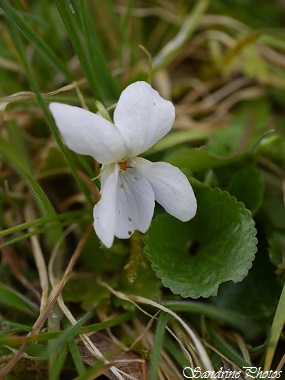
(96, 258)
(275, 150)
(11, 299)
(79, 290)
(248, 187)
(176, 138)
(262, 299)
(216, 246)
(146, 284)
(138, 278)
(224, 143)
(4, 351)
(277, 247)
(196, 160)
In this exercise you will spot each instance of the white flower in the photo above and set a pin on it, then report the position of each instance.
(129, 184)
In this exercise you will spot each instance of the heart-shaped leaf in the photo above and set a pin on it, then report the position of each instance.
(216, 246)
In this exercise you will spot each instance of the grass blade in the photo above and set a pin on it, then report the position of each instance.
(276, 330)
(57, 368)
(10, 298)
(68, 333)
(169, 51)
(99, 66)
(158, 342)
(18, 44)
(73, 216)
(10, 156)
(33, 37)
(76, 357)
(66, 11)
(12, 340)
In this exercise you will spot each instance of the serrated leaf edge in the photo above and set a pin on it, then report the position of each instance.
(165, 282)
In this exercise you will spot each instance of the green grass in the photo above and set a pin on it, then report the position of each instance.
(224, 73)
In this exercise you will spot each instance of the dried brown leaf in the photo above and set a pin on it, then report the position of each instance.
(126, 361)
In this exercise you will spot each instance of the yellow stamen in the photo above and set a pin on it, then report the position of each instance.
(123, 165)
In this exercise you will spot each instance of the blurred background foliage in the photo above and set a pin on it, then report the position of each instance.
(222, 64)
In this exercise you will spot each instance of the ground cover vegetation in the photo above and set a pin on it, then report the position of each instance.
(202, 295)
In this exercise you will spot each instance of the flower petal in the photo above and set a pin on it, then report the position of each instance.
(135, 203)
(105, 210)
(143, 117)
(87, 133)
(171, 188)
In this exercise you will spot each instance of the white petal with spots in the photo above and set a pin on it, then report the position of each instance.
(135, 203)
(128, 194)
(105, 210)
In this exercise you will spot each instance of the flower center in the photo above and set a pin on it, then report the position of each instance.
(123, 165)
